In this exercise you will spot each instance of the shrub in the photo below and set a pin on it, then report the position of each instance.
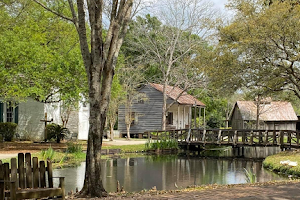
(48, 154)
(57, 132)
(161, 144)
(8, 130)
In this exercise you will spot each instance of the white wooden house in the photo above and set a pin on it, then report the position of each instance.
(28, 116)
(148, 114)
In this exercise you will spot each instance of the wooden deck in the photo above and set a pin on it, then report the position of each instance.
(230, 137)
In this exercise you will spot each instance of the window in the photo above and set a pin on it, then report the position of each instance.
(170, 118)
(132, 117)
(9, 113)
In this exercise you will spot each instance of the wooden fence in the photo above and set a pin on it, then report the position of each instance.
(282, 138)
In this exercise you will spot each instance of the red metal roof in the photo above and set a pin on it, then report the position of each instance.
(174, 92)
(272, 111)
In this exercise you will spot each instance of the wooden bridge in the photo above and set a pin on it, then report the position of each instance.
(229, 137)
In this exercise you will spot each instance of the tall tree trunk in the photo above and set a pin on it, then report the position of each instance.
(128, 131)
(164, 107)
(111, 126)
(99, 58)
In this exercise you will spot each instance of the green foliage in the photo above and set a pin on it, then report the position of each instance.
(250, 176)
(161, 144)
(48, 154)
(39, 54)
(74, 147)
(57, 132)
(259, 49)
(8, 130)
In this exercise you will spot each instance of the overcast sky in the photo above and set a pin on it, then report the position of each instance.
(220, 4)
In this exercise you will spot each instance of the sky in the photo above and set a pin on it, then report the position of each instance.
(220, 4)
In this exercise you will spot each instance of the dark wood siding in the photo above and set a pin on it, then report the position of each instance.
(236, 119)
(149, 113)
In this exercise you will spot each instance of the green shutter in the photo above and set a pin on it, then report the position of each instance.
(1, 112)
(16, 114)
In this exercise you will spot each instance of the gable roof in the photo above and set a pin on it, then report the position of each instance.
(174, 92)
(272, 111)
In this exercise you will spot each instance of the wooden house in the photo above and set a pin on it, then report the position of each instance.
(29, 116)
(148, 114)
(272, 115)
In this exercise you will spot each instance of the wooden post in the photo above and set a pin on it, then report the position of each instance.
(14, 169)
(274, 137)
(178, 121)
(243, 137)
(195, 114)
(62, 185)
(6, 175)
(13, 190)
(235, 138)
(204, 136)
(251, 138)
(21, 170)
(42, 174)
(28, 170)
(199, 117)
(281, 135)
(297, 135)
(219, 136)
(266, 137)
(46, 121)
(204, 123)
(35, 172)
(1, 183)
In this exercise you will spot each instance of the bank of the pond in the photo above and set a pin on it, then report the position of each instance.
(280, 163)
(62, 159)
(258, 191)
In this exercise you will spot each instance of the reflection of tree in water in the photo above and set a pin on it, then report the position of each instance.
(136, 174)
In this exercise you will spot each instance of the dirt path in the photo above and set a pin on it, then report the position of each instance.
(11, 149)
(282, 191)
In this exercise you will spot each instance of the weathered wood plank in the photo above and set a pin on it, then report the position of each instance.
(6, 176)
(50, 174)
(1, 182)
(28, 170)
(42, 174)
(14, 170)
(35, 170)
(21, 170)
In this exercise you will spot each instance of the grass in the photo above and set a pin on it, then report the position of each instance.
(273, 163)
(127, 148)
(161, 144)
(250, 176)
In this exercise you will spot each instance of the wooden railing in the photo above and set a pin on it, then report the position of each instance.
(283, 138)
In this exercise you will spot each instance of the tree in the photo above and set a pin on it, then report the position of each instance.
(259, 49)
(99, 50)
(39, 55)
(169, 42)
(118, 96)
(131, 78)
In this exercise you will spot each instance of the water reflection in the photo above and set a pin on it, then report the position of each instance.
(140, 173)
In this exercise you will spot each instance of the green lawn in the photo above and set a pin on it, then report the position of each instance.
(273, 162)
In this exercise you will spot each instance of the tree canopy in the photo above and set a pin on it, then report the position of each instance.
(39, 54)
(260, 48)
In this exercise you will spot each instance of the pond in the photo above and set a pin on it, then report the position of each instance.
(168, 172)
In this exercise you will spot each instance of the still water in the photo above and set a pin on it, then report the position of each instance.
(167, 172)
